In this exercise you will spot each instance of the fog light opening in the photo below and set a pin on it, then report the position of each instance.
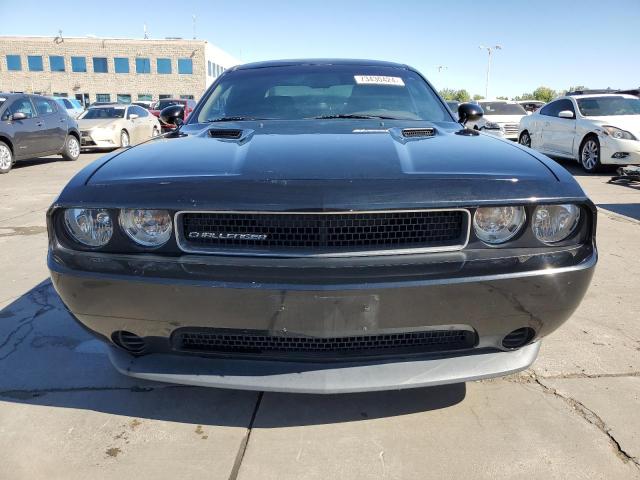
(129, 341)
(518, 338)
(620, 155)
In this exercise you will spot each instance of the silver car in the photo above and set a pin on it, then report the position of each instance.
(116, 125)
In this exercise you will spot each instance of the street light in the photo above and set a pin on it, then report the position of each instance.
(441, 67)
(489, 51)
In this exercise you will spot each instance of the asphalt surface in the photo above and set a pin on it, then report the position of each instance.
(65, 412)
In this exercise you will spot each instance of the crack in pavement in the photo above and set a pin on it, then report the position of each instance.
(40, 297)
(235, 470)
(591, 417)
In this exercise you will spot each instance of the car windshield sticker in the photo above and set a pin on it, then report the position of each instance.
(378, 80)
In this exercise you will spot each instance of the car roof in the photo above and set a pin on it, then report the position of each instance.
(123, 105)
(599, 95)
(318, 61)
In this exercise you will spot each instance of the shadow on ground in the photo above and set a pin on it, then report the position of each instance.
(47, 359)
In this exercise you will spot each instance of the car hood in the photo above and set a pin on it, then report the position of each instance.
(289, 151)
(329, 164)
(630, 123)
(97, 122)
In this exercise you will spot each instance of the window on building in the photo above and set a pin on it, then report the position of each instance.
(56, 62)
(35, 63)
(209, 67)
(60, 94)
(121, 64)
(164, 95)
(185, 66)
(164, 65)
(143, 65)
(123, 98)
(14, 62)
(100, 65)
(145, 97)
(78, 64)
(187, 97)
(103, 97)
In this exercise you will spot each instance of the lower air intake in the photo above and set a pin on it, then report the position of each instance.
(518, 338)
(129, 341)
(262, 343)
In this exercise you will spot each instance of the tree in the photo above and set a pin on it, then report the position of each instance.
(447, 94)
(450, 94)
(478, 97)
(524, 96)
(544, 94)
(502, 98)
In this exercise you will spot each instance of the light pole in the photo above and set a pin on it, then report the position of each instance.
(489, 51)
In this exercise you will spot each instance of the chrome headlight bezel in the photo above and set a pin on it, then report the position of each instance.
(132, 221)
(573, 221)
(514, 218)
(96, 231)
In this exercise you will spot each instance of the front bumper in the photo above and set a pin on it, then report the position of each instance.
(100, 139)
(610, 146)
(153, 296)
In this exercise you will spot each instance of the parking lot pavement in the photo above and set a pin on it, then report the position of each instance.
(65, 413)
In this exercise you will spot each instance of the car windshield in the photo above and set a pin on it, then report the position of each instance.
(103, 112)
(502, 108)
(608, 106)
(2, 100)
(167, 103)
(323, 91)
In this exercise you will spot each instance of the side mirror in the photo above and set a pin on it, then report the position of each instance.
(469, 112)
(19, 116)
(133, 116)
(172, 115)
(566, 114)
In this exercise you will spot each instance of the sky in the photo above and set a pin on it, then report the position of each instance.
(558, 43)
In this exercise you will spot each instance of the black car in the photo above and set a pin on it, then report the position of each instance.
(322, 226)
(32, 126)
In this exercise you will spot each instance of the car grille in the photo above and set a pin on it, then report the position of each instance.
(228, 341)
(322, 233)
(510, 128)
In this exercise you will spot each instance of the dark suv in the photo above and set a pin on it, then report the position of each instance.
(32, 126)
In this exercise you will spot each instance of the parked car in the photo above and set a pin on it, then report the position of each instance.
(188, 106)
(144, 104)
(531, 106)
(33, 126)
(328, 227)
(594, 129)
(73, 107)
(116, 125)
(501, 118)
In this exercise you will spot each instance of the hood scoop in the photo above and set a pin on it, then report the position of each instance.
(418, 132)
(226, 133)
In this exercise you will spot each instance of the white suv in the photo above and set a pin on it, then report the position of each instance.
(594, 129)
(501, 118)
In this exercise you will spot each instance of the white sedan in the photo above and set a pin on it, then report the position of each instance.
(501, 118)
(594, 129)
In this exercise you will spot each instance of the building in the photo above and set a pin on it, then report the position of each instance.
(110, 69)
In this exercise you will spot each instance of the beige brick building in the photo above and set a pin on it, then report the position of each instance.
(110, 69)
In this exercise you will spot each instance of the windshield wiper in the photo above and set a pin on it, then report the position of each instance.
(232, 119)
(355, 116)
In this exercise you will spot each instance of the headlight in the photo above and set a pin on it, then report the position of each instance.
(554, 223)
(150, 228)
(498, 224)
(90, 226)
(618, 133)
(492, 126)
